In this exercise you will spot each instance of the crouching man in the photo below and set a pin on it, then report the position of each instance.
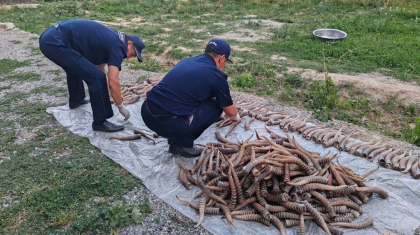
(191, 97)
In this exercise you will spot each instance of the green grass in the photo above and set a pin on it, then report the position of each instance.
(179, 54)
(50, 182)
(141, 78)
(56, 72)
(50, 90)
(59, 189)
(8, 65)
(36, 51)
(22, 77)
(412, 135)
(52, 188)
(5, 87)
(148, 64)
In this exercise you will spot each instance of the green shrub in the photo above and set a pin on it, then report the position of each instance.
(348, 118)
(410, 109)
(293, 80)
(356, 103)
(265, 72)
(412, 135)
(322, 98)
(245, 80)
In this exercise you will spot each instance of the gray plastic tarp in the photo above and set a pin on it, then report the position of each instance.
(158, 170)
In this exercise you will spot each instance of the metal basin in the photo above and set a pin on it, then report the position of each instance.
(330, 34)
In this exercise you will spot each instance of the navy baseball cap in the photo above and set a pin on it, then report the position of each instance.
(220, 47)
(138, 45)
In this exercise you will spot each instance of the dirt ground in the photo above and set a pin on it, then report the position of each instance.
(14, 2)
(7, 4)
(377, 85)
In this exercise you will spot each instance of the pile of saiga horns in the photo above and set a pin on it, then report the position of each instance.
(276, 181)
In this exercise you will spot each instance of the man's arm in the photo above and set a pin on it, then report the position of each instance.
(114, 84)
(230, 111)
(114, 87)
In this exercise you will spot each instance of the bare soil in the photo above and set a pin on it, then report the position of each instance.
(14, 2)
(8, 4)
(379, 86)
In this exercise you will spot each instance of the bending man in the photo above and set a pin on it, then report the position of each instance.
(190, 98)
(82, 48)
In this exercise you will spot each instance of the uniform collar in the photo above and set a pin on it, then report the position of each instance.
(124, 41)
(210, 59)
(212, 62)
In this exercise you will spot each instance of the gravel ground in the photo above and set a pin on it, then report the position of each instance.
(164, 219)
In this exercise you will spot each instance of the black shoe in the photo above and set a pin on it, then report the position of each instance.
(185, 152)
(76, 105)
(107, 127)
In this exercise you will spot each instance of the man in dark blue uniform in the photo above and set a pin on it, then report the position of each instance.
(190, 98)
(83, 48)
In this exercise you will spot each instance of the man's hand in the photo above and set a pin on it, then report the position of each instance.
(236, 118)
(124, 111)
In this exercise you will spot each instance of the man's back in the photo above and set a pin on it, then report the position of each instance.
(96, 42)
(190, 82)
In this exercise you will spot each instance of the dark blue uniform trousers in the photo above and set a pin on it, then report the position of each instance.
(179, 128)
(78, 69)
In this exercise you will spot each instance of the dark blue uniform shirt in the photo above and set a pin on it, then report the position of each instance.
(96, 42)
(189, 83)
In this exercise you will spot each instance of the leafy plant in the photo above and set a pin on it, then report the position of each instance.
(245, 80)
(356, 103)
(391, 103)
(264, 72)
(323, 97)
(293, 80)
(410, 109)
(413, 135)
(124, 215)
(348, 118)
